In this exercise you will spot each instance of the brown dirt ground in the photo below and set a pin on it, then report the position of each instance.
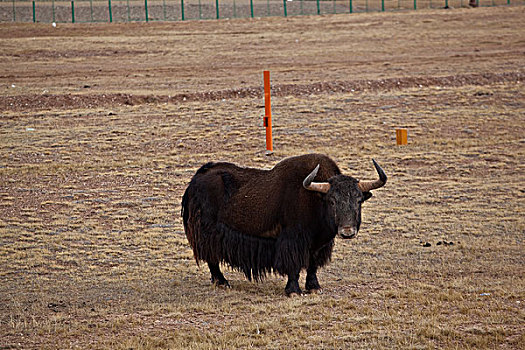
(102, 127)
(86, 65)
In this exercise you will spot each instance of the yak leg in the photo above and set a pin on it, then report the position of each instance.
(217, 277)
(312, 284)
(292, 287)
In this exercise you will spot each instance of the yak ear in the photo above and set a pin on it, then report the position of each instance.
(367, 195)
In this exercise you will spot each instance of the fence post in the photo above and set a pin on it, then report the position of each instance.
(110, 14)
(383, 5)
(34, 13)
(217, 8)
(251, 8)
(14, 11)
(182, 10)
(72, 11)
(284, 9)
(351, 7)
(53, 8)
(318, 8)
(146, 9)
(415, 4)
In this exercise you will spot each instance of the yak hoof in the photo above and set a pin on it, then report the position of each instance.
(221, 284)
(294, 295)
(315, 291)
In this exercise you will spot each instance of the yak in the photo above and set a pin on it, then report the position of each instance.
(273, 221)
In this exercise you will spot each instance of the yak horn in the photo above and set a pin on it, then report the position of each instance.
(366, 186)
(308, 183)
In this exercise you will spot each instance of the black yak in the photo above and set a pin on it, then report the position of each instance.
(278, 220)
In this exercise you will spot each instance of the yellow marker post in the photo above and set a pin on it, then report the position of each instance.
(267, 113)
(401, 136)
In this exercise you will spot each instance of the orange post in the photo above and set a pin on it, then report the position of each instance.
(401, 136)
(267, 112)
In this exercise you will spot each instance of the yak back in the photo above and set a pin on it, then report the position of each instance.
(263, 203)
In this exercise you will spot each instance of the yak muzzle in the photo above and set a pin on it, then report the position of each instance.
(347, 232)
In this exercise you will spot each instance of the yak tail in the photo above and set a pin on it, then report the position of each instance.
(190, 212)
(184, 211)
(188, 220)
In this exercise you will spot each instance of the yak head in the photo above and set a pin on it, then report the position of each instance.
(343, 196)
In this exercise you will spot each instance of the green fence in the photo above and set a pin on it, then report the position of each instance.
(180, 10)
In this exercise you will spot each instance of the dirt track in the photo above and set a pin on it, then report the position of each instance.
(102, 126)
(70, 101)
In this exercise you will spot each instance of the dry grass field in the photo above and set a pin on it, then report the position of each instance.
(102, 127)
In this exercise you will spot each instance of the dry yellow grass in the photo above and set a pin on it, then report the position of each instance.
(92, 252)
(95, 256)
